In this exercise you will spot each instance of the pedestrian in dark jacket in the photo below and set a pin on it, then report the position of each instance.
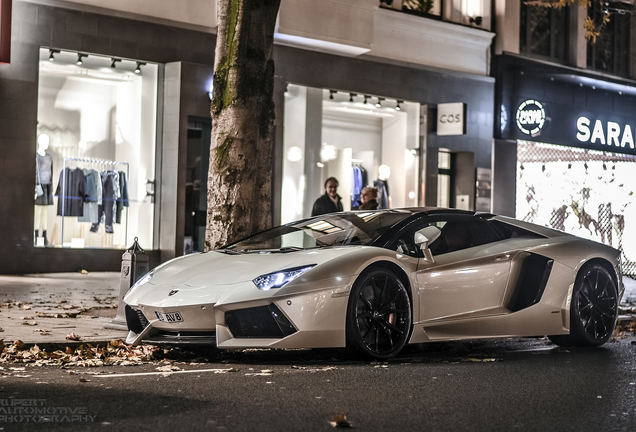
(330, 202)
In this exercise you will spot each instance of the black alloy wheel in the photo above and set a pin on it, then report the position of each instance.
(593, 310)
(379, 314)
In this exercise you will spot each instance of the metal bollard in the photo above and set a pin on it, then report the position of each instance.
(134, 265)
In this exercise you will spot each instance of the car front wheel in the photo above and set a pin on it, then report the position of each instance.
(379, 314)
(593, 310)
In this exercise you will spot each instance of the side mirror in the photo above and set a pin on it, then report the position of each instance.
(424, 237)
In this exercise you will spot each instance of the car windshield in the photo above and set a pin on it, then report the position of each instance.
(335, 229)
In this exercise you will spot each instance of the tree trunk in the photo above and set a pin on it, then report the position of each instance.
(240, 176)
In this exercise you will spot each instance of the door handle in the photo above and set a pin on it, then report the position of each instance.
(500, 258)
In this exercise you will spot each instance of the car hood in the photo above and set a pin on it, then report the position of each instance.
(213, 276)
(216, 268)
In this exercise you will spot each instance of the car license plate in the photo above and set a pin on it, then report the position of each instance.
(170, 317)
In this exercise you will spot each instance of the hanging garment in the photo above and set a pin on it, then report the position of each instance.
(106, 211)
(383, 193)
(93, 194)
(72, 198)
(123, 192)
(357, 185)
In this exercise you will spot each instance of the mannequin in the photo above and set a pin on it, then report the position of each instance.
(43, 179)
(382, 183)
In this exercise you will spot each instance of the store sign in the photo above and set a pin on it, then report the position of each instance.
(5, 31)
(451, 118)
(530, 117)
(606, 133)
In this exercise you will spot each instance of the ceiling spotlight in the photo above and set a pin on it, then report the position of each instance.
(397, 107)
(379, 103)
(351, 95)
(331, 93)
(114, 62)
(138, 68)
(52, 53)
(80, 57)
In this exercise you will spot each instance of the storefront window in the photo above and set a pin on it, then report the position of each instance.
(95, 158)
(544, 32)
(583, 192)
(610, 51)
(362, 140)
(428, 8)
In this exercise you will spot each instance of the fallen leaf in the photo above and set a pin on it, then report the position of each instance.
(73, 337)
(168, 368)
(84, 380)
(340, 420)
(19, 345)
(484, 360)
(27, 318)
(31, 323)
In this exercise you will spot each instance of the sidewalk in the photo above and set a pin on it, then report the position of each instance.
(44, 308)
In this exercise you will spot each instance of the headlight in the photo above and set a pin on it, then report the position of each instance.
(280, 278)
(145, 279)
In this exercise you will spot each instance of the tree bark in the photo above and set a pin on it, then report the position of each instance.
(240, 175)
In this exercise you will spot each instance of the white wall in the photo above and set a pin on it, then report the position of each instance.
(393, 155)
(293, 194)
(199, 13)
(343, 27)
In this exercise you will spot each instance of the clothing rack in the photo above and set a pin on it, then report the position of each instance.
(94, 161)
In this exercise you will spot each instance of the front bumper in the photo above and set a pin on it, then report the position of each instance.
(308, 319)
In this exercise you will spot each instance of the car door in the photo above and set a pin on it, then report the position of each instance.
(468, 274)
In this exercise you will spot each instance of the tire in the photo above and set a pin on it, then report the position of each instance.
(379, 315)
(593, 309)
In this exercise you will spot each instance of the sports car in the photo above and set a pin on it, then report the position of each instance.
(378, 280)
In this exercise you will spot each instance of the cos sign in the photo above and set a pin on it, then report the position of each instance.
(451, 119)
(530, 117)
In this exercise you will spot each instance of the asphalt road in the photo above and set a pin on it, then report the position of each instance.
(518, 384)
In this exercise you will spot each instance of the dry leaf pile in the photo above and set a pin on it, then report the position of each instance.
(116, 353)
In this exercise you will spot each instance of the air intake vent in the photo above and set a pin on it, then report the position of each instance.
(135, 320)
(259, 322)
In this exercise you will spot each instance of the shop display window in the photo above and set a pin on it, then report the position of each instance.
(362, 140)
(583, 192)
(95, 157)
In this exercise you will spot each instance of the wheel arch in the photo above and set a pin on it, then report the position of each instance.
(603, 263)
(396, 269)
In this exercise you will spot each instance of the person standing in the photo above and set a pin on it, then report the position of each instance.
(330, 202)
(368, 198)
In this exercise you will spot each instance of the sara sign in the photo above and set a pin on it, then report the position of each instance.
(530, 117)
(451, 118)
(609, 133)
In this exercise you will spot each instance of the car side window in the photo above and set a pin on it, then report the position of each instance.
(462, 233)
(404, 243)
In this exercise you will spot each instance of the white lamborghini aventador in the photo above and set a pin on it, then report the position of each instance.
(378, 280)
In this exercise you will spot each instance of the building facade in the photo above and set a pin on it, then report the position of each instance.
(106, 126)
(564, 135)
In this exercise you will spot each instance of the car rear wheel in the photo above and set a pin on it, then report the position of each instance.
(593, 310)
(379, 314)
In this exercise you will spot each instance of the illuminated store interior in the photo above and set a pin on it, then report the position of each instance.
(96, 122)
(336, 133)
